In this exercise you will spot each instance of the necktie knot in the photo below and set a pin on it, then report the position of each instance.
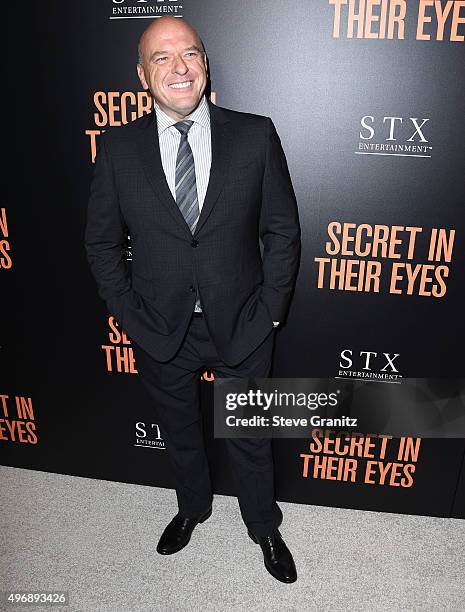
(183, 126)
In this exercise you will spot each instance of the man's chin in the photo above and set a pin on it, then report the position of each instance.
(181, 107)
(185, 108)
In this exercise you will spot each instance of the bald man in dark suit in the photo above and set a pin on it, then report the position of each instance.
(196, 187)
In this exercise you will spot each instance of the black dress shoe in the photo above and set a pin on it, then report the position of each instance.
(178, 533)
(276, 555)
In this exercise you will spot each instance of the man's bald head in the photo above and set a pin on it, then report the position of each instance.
(163, 22)
(172, 65)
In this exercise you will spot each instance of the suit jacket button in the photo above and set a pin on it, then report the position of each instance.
(194, 243)
(192, 288)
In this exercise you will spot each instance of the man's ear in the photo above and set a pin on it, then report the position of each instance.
(141, 75)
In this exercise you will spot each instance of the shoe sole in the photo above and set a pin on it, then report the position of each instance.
(202, 519)
(254, 539)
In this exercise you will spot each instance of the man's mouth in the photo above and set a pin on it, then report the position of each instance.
(182, 85)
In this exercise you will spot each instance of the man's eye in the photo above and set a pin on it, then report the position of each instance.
(191, 53)
(161, 59)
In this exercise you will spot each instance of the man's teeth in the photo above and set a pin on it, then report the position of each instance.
(181, 85)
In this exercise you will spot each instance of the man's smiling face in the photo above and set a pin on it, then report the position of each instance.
(173, 66)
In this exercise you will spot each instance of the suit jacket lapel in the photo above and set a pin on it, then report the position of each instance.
(149, 151)
(221, 137)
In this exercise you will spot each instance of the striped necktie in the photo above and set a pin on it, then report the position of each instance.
(186, 187)
(185, 184)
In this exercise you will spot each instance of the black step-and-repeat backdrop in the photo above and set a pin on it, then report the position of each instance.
(367, 97)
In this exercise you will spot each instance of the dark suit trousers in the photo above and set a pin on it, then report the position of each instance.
(174, 388)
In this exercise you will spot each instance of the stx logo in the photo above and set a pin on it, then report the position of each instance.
(140, 9)
(398, 136)
(151, 438)
(391, 126)
(369, 358)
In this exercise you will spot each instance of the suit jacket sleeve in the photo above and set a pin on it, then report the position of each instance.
(279, 229)
(106, 236)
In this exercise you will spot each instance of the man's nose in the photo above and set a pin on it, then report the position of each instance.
(179, 65)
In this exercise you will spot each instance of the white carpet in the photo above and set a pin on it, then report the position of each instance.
(96, 539)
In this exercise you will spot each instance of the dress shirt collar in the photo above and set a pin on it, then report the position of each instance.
(201, 115)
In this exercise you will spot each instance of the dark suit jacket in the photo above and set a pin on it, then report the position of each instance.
(249, 195)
